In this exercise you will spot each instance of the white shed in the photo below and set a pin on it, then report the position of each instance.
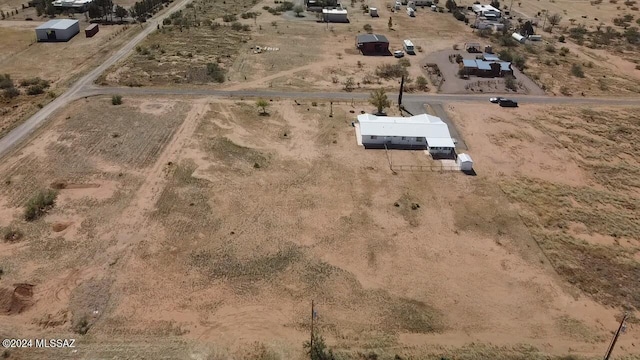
(335, 15)
(416, 132)
(58, 30)
(519, 38)
(465, 162)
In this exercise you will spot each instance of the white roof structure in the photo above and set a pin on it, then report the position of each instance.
(335, 11)
(57, 24)
(430, 127)
(464, 158)
(71, 3)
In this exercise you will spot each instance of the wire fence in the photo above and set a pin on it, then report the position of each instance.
(424, 168)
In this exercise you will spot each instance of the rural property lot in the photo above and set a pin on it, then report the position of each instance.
(199, 225)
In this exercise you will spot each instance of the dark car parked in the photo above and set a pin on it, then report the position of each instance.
(508, 103)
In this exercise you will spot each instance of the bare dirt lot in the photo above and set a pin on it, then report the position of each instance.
(206, 229)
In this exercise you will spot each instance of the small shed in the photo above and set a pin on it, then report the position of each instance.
(57, 30)
(91, 30)
(335, 15)
(465, 162)
(372, 44)
(519, 38)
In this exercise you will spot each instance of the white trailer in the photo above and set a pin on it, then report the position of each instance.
(408, 47)
(373, 12)
(411, 12)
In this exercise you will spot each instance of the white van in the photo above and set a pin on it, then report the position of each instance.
(408, 47)
(411, 12)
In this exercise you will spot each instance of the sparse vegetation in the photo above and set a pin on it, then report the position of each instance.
(40, 204)
(380, 100)
(390, 71)
(368, 28)
(262, 104)
(116, 100)
(576, 70)
(215, 72)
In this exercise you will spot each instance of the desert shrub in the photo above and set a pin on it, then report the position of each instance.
(166, 21)
(576, 70)
(507, 41)
(215, 72)
(236, 26)
(116, 100)
(6, 81)
(349, 84)
(510, 83)
(505, 55)
(519, 62)
(404, 62)
(285, 6)
(367, 28)
(368, 79)
(38, 205)
(229, 18)
(10, 93)
(561, 38)
(34, 81)
(456, 46)
(12, 235)
(35, 89)
(564, 51)
(421, 83)
(81, 326)
(550, 48)
(388, 71)
(565, 91)
(246, 27)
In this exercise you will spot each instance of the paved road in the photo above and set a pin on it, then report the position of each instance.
(430, 98)
(23, 130)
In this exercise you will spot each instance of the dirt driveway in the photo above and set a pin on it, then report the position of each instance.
(452, 84)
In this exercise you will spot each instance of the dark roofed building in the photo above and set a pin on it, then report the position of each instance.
(372, 44)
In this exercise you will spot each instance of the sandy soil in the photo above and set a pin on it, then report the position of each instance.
(207, 228)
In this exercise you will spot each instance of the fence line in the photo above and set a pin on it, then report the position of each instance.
(434, 167)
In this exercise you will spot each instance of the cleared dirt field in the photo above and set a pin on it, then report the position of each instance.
(207, 229)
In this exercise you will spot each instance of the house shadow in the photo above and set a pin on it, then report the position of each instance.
(395, 147)
(440, 156)
(320, 21)
(376, 53)
(471, 172)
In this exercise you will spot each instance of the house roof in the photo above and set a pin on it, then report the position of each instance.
(469, 63)
(430, 127)
(335, 11)
(57, 24)
(370, 38)
(486, 65)
(490, 57)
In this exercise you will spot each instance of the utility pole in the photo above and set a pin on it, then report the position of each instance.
(510, 6)
(400, 93)
(313, 312)
(545, 19)
(330, 109)
(615, 337)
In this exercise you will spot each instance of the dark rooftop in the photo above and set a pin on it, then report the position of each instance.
(369, 38)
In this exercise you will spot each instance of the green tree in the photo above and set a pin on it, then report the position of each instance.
(379, 99)
(421, 83)
(318, 351)
(94, 11)
(298, 9)
(368, 28)
(451, 5)
(349, 84)
(262, 104)
(121, 12)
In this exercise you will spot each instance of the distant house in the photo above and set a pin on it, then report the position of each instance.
(371, 44)
(78, 6)
(493, 68)
(416, 132)
(57, 30)
(335, 15)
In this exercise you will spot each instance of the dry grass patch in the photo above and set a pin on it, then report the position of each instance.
(590, 234)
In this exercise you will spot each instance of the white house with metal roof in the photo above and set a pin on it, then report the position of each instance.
(417, 132)
(58, 30)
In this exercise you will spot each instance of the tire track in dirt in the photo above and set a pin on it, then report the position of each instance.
(133, 221)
